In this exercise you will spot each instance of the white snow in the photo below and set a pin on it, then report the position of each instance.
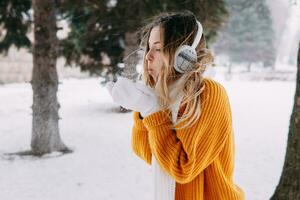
(103, 166)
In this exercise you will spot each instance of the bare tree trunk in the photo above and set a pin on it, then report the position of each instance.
(249, 67)
(229, 68)
(45, 129)
(131, 57)
(289, 184)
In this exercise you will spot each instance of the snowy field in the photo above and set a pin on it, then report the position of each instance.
(103, 166)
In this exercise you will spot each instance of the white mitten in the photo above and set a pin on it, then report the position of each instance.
(134, 96)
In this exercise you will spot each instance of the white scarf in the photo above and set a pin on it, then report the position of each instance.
(164, 184)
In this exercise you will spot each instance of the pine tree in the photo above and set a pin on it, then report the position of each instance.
(13, 25)
(16, 22)
(45, 127)
(248, 35)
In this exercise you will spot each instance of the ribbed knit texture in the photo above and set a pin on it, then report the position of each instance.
(201, 157)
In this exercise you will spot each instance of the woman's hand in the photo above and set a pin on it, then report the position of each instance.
(133, 96)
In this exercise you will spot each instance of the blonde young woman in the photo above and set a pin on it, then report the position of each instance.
(182, 121)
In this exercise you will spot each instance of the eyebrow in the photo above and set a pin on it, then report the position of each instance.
(155, 42)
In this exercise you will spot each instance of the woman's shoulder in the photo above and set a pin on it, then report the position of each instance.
(213, 87)
(214, 94)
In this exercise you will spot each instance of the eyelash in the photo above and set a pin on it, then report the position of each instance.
(156, 49)
(153, 48)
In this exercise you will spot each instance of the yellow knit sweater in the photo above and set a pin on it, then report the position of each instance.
(200, 158)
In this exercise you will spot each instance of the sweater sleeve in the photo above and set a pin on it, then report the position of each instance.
(139, 139)
(185, 153)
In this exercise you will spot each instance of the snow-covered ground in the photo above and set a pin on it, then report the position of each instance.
(103, 165)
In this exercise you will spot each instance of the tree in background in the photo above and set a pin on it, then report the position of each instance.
(45, 129)
(248, 36)
(93, 43)
(289, 184)
(16, 22)
(13, 26)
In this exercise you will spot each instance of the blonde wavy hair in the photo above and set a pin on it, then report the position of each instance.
(177, 29)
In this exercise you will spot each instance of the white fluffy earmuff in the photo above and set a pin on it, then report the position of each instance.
(185, 55)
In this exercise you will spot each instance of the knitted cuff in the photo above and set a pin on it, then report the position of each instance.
(138, 121)
(156, 119)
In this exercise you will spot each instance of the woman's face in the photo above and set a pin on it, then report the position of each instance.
(154, 55)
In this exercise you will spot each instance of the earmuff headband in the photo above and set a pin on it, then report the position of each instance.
(185, 55)
(198, 35)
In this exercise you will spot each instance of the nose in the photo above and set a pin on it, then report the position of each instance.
(149, 56)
